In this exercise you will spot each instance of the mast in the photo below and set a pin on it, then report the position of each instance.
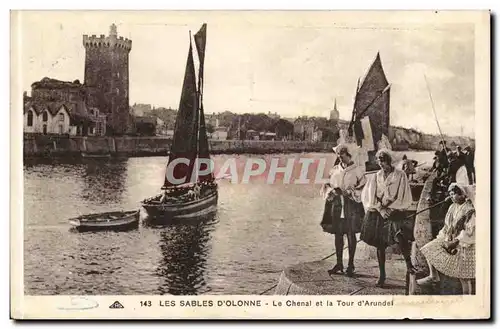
(200, 39)
(239, 127)
(353, 117)
(197, 115)
(184, 144)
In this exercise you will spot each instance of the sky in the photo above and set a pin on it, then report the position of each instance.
(291, 63)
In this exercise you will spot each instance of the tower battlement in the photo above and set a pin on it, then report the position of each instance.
(110, 41)
(107, 42)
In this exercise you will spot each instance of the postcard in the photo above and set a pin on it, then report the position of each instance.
(250, 165)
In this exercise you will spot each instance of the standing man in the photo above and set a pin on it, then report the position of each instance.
(443, 154)
(460, 154)
(469, 164)
(409, 167)
(454, 166)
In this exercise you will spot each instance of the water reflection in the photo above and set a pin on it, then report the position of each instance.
(184, 248)
(104, 180)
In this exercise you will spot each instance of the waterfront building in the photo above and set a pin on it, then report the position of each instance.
(315, 129)
(220, 133)
(59, 107)
(99, 106)
(267, 136)
(140, 110)
(251, 134)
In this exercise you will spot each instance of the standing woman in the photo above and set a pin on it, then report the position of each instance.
(452, 252)
(385, 196)
(343, 209)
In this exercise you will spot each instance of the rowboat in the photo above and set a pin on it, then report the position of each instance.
(188, 190)
(117, 220)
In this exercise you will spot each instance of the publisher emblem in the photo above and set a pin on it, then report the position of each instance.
(116, 304)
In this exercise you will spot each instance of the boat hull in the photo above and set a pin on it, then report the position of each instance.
(99, 222)
(191, 209)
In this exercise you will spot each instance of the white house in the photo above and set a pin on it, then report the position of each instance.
(160, 127)
(220, 133)
(169, 133)
(98, 126)
(62, 118)
(48, 120)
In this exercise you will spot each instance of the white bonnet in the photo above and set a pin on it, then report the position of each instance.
(468, 190)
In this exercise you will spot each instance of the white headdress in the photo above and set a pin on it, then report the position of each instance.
(468, 190)
(349, 148)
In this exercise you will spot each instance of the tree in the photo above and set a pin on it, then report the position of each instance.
(283, 129)
(210, 128)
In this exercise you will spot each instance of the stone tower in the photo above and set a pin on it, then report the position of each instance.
(107, 78)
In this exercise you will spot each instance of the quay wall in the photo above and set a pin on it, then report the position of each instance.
(56, 145)
(43, 146)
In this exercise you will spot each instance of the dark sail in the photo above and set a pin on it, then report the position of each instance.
(372, 100)
(184, 143)
(200, 39)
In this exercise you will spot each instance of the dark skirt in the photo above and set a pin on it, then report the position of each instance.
(382, 233)
(332, 221)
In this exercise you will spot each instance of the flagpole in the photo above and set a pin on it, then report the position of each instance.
(349, 129)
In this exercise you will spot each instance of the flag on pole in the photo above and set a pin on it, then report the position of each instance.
(368, 142)
(200, 39)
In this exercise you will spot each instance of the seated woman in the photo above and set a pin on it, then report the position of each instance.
(385, 197)
(452, 252)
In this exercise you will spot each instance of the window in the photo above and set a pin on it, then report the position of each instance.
(30, 118)
(45, 116)
(45, 129)
(61, 129)
(61, 117)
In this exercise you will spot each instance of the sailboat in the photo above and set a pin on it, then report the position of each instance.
(189, 188)
(370, 116)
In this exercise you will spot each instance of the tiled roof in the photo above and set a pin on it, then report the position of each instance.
(52, 107)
